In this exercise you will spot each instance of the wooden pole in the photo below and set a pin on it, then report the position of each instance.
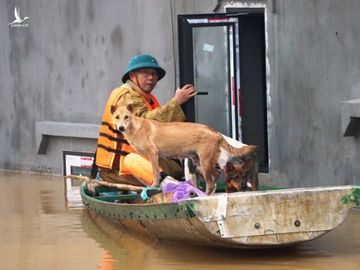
(93, 183)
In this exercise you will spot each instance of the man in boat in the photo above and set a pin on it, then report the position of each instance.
(115, 159)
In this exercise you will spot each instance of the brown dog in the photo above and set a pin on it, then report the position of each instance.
(177, 140)
(241, 173)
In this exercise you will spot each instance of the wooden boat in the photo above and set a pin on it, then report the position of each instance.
(259, 219)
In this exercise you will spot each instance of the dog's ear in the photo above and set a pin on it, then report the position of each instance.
(247, 164)
(113, 109)
(130, 108)
(229, 167)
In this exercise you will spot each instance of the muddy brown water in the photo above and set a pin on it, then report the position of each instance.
(38, 230)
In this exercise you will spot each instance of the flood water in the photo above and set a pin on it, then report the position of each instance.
(39, 231)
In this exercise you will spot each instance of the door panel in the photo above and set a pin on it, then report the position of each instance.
(207, 52)
(223, 55)
(210, 77)
(253, 88)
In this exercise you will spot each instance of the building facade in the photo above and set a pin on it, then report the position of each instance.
(60, 64)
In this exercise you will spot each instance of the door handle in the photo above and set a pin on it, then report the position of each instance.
(202, 93)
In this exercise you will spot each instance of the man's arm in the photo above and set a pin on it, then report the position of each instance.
(170, 112)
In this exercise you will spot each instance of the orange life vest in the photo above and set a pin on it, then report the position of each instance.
(111, 144)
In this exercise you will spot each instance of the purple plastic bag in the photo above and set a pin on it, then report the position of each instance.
(183, 190)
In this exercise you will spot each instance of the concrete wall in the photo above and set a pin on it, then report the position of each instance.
(63, 66)
(315, 65)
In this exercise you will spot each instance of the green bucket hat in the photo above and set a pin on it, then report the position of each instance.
(143, 61)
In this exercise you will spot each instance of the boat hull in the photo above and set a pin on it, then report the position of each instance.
(244, 219)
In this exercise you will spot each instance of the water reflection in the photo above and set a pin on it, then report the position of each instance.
(332, 251)
(38, 231)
